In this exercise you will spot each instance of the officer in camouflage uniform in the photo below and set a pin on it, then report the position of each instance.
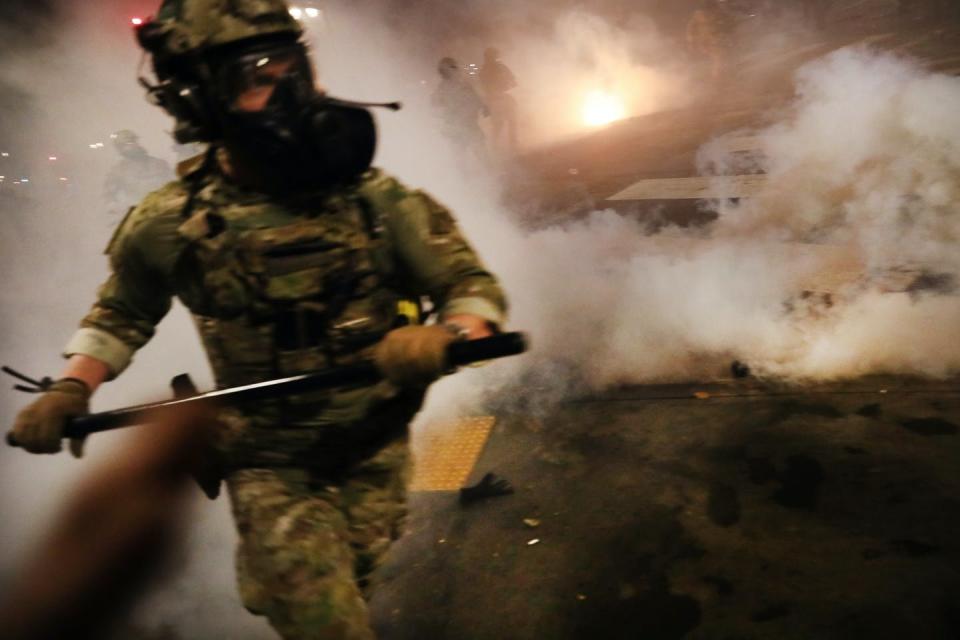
(292, 254)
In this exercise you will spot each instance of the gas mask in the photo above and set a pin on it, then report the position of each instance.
(274, 120)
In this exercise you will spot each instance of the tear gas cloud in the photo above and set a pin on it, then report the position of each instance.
(864, 167)
(562, 53)
(579, 54)
(862, 185)
(859, 201)
(859, 207)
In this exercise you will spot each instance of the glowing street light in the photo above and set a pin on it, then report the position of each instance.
(52, 158)
(601, 108)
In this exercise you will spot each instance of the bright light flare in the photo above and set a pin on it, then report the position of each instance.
(601, 108)
(312, 12)
(296, 12)
(136, 21)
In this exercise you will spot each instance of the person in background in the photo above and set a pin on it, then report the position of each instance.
(460, 108)
(497, 81)
(709, 34)
(134, 176)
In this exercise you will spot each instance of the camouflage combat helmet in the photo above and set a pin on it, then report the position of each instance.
(195, 26)
(185, 40)
(127, 143)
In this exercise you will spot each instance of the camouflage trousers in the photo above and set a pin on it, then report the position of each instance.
(310, 540)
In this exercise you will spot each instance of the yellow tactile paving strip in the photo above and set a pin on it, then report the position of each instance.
(448, 453)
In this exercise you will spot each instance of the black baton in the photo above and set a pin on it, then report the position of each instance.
(458, 354)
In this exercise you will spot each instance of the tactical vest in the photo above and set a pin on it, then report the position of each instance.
(281, 289)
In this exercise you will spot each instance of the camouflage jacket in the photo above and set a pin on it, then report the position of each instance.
(279, 286)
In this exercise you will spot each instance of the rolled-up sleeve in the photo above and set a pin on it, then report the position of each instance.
(129, 305)
(103, 346)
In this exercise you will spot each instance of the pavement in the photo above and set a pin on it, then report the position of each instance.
(736, 509)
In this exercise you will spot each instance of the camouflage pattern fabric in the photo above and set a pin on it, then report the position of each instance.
(334, 263)
(279, 288)
(310, 540)
(196, 25)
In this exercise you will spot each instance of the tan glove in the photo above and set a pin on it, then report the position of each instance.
(414, 356)
(39, 426)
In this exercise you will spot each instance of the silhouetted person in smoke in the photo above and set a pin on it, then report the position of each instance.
(709, 33)
(460, 108)
(137, 174)
(497, 81)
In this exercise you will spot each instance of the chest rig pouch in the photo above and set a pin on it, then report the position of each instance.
(276, 299)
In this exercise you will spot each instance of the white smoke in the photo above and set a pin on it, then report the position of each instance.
(582, 53)
(809, 280)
